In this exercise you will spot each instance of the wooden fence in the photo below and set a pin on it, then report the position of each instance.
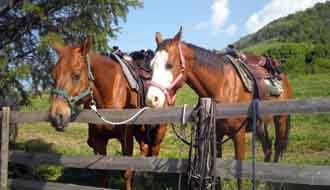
(266, 172)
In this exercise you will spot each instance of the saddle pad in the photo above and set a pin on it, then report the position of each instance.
(134, 81)
(267, 86)
(243, 73)
(128, 72)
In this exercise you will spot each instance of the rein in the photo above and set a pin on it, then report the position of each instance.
(72, 100)
(170, 90)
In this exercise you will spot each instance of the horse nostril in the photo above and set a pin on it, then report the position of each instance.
(155, 99)
(59, 118)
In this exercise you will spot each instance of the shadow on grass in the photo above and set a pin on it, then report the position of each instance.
(85, 177)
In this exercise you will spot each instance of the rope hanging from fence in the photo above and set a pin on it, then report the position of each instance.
(254, 116)
(202, 150)
(182, 134)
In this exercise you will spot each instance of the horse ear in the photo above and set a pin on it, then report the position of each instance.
(177, 37)
(159, 38)
(86, 46)
(57, 47)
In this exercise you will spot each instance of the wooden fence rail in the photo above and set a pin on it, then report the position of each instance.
(18, 184)
(174, 114)
(312, 175)
(266, 172)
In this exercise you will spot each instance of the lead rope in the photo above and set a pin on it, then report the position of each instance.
(133, 117)
(254, 115)
(182, 131)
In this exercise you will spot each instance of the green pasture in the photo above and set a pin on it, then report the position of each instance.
(309, 138)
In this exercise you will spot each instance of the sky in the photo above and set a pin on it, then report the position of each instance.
(212, 24)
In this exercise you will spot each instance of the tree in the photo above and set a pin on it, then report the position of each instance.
(28, 26)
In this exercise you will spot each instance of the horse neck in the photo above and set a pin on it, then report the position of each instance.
(203, 78)
(220, 82)
(102, 69)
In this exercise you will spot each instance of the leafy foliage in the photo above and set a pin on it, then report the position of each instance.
(292, 55)
(27, 28)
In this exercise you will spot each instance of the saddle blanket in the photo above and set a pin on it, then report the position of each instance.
(273, 84)
(132, 78)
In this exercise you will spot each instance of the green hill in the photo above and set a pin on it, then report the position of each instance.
(292, 37)
(311, 26)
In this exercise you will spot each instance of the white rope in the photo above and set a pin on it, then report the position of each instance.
(93, 107)
(184, 119)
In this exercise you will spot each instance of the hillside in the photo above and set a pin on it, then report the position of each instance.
(309, 26)
(291, 38)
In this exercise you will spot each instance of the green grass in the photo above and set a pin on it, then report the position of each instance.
(309, 138)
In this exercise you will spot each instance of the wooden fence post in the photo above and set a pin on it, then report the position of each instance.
(4, 148)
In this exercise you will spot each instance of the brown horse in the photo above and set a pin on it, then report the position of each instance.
(81, 76)
(176, 63)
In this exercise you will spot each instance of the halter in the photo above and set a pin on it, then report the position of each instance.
(72, 100)
(171, 89)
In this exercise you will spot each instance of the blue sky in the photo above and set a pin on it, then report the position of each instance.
(207, 23)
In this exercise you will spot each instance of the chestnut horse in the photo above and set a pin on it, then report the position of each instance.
(81, 76)
(177, 62)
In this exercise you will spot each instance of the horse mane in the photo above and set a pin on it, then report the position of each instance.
(205, 56)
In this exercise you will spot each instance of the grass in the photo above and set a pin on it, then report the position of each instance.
(309, 138)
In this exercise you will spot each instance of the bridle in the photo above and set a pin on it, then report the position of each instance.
(170, 91)
(72, 100)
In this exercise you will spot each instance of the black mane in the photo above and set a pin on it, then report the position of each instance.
(205, 56)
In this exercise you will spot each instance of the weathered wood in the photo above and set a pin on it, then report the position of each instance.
(161, 165)
(266, 172)
(4, 148)
(151, 116)
(20, 184)
(310, 106)
(272, 172)
(174, 114)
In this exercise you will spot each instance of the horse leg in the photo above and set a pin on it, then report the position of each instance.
(263, 136)
(99, 145)
(159, 135)
(127, 150)
(239, 143)
(140, 136)
(282, 130)
(219, 130)
(219, 137)
(153, 147)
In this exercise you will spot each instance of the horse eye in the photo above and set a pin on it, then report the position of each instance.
(168, 66)
(75, 77)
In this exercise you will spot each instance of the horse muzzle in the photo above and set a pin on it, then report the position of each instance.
(59, 122)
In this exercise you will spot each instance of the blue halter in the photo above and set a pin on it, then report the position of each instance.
(72, 100)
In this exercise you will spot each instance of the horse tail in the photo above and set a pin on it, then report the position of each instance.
(282, 128)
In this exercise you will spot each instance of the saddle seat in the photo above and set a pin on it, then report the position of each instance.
(267, 77)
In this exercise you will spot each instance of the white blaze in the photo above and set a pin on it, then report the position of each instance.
(160, 75)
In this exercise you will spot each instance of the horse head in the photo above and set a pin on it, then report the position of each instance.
(168, 67)
(71, 75)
